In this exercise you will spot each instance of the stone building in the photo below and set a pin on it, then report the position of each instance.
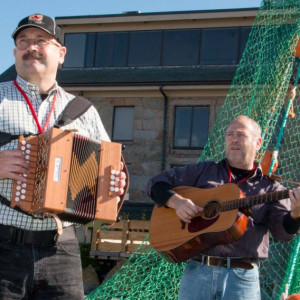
(158, 80)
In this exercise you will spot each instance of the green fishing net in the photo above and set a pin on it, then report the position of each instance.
(260, 89)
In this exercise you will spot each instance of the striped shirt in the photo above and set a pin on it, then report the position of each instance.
(265, 218)
(17, 119)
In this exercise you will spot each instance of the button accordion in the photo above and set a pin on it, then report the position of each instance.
(71, 176)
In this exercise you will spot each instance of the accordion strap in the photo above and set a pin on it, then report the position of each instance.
(6, 202)
(58, 222)
(74, 109)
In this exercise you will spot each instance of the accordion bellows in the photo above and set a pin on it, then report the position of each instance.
(71, 176)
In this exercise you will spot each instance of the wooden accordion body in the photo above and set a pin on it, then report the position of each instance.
(70, 176)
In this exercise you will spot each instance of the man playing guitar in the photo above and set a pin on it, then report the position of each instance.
(229, 270)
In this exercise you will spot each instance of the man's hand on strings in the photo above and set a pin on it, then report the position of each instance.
(185, 208)
(13, 165)
(295, 200)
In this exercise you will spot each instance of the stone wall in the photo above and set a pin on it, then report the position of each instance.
(144, 153)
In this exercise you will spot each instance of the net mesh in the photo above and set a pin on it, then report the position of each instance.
(261, 90)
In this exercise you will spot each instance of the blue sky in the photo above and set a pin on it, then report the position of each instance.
(13, 10)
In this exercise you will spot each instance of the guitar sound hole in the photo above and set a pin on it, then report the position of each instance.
(211, 209)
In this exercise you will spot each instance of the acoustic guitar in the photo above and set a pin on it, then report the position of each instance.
(220, 222)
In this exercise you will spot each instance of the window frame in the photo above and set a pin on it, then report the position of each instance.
(189, 147)
(113, 123)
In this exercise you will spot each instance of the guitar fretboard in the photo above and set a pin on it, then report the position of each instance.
(254, 200)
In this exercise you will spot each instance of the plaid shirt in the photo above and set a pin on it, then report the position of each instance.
(16, 119)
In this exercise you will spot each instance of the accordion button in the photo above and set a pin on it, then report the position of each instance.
(17, 199)
(116, 189)
(23, 148)
(22, 197)
(18, 193)
(24, 185)
(112, 177)
(112, 188)
(113, 172)
(112, 183)
(23, 142)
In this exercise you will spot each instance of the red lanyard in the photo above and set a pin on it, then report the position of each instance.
(40, 129)
(243, 179)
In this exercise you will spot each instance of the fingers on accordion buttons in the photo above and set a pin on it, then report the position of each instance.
(114, 181)
(25, 147)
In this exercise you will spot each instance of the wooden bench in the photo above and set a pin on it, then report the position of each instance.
(118, 240)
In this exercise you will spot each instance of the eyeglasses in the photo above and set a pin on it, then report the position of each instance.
(23, 43)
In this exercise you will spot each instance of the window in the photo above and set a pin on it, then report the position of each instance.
(191, 126)
(80, 50)
(219, 46)
(112, 49)
(75, 43)
(244, 38)
(144, 48)
(123, 123)
(181, 47)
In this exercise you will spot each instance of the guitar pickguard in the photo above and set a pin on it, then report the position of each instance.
(198, 223)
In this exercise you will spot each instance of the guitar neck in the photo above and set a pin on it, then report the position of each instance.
(254, 200)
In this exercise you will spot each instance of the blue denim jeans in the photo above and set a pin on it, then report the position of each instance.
(40, 272)
(202, 282)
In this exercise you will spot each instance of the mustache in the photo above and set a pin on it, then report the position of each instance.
(35, 55)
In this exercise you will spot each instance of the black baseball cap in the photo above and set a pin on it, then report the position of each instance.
(40, 21)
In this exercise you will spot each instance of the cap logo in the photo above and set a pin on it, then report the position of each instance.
(36, 19)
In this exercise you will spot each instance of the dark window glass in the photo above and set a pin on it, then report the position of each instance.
(180, 47)
(245, 31)
(123, 123)
(76, 45)
(144, 48)
(191, 127)
(219, 46)
(111, 49)
(90, 50)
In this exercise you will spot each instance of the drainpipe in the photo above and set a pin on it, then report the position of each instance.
(164, 137)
